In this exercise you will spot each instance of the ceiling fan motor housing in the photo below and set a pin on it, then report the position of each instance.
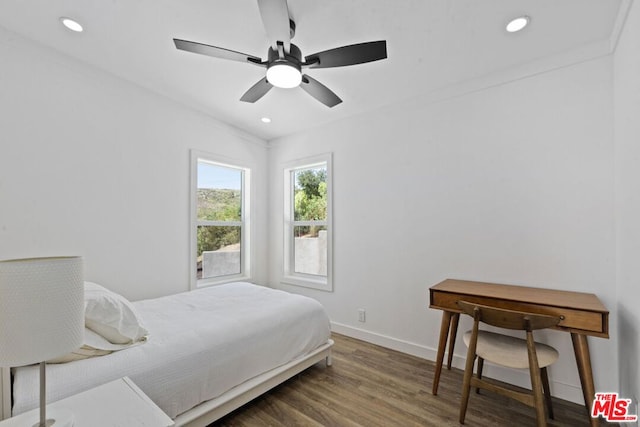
(293, 58)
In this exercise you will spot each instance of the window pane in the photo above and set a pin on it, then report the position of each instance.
(219, 195)
(310, 250)
(310, 194)
(218, 251)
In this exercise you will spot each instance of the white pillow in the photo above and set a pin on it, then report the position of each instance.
(84, 352)
(93, 345)
(111, 315)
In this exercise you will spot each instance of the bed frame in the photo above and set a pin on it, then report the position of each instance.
(211, 410)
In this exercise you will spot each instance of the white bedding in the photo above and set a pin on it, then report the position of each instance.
(201, 344)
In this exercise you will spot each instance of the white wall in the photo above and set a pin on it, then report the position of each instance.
(510, 184)
(627, 138)
(95, 166)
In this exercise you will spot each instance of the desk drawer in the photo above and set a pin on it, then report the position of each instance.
(591, 323)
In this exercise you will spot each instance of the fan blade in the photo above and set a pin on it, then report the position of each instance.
(216, 52)
(257, 91)
(275, 18)
(348, 55)
(319, 91)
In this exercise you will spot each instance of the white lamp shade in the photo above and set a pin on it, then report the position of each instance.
(41, 309)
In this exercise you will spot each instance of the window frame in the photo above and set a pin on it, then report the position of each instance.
(244, 223)
(289, 275)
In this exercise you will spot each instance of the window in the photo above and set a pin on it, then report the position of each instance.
(307, 231)
(220, 226)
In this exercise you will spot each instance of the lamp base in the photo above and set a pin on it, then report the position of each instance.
(57, 418)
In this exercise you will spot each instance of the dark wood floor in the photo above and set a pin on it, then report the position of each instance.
(374, 386)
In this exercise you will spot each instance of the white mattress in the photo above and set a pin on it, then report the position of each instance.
(201, 344)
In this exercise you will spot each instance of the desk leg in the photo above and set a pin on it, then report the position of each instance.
(444, 331)
(452, 337)
(583, 360)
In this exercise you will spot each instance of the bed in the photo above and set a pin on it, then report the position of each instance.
(208, 352)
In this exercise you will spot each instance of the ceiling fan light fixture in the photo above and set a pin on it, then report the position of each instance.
(284, 61)
(518, 24)
(284, 74)
(71, 24)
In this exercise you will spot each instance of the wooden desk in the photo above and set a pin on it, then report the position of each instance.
(582, 314)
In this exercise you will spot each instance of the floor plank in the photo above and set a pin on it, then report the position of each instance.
(370, 385)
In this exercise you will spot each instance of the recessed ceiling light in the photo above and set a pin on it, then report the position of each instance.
(71, 24)
(518, 24)
(265, 120)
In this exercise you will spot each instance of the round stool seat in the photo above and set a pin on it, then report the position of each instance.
(510, 351)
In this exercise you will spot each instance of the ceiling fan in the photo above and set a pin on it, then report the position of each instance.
(284, 61)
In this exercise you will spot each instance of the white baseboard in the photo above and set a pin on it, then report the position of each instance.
(572, 393)
(384, 341)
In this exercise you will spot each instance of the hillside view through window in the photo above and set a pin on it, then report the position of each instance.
(219, 220)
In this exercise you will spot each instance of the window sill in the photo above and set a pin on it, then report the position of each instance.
(321, 284)
(220, 281)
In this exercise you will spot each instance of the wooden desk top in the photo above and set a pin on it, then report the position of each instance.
(581, 312)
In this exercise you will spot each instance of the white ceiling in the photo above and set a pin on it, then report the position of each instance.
(431, 44)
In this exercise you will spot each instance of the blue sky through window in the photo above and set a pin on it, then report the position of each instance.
(215, 176)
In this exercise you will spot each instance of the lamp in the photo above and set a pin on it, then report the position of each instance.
(41, 316)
